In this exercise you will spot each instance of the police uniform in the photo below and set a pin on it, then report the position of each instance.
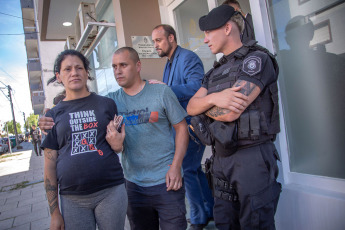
(244, 176)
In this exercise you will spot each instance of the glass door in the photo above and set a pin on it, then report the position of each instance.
(311, 50)
(186, 17)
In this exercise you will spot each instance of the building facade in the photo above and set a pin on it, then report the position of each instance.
(33, 57)
(306, 35)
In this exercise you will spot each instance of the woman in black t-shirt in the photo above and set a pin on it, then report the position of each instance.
(78, 158)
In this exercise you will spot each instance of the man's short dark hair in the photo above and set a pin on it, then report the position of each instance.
(133, 54)
(227, 2)
(168, 29)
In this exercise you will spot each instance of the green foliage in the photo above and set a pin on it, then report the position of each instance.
(11, 127)
(20, 185)
(32, 120)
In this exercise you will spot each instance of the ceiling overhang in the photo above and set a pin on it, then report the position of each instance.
(51, 15)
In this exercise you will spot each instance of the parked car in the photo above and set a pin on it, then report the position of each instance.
(13, 141)
(3, 146)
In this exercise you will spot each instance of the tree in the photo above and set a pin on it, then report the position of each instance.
(31, 120)
(11, 127)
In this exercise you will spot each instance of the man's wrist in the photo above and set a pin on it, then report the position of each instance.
(176, 165)
(119, 150)
(210, 99)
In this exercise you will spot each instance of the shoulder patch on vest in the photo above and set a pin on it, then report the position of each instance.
(252, 65)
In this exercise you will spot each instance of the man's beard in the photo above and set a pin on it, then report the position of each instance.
(165, 54)
(162, 54)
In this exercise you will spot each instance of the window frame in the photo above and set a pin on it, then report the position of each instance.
(265, 38)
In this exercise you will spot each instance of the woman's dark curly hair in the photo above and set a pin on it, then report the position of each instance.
(62, 56)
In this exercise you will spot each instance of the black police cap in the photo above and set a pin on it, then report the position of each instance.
(216, 18)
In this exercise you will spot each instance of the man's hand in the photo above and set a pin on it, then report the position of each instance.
(57, 222)
(173, 178)
(153, 81)
(113, 137)
(231, 99)
(45, 124)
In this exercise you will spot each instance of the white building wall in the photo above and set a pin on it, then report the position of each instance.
(49, 51)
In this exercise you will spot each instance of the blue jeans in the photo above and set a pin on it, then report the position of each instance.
(106, 208)
(151, 208)
(198, 193)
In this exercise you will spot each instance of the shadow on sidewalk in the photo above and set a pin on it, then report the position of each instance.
(23, 202)
(20, 169)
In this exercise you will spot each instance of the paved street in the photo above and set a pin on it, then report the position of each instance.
(23, 203)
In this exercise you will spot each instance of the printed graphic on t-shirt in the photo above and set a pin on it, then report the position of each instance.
(36, 134)
(139, 116)
(84, 132)
(83, 142)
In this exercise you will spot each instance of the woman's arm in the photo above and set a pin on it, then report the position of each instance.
(51, 186)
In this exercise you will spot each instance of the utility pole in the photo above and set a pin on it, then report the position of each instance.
(26, 129)
(8, 138)
(14, 119)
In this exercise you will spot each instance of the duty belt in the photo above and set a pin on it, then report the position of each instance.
(223, 184)
(229, 194)
(233, 197)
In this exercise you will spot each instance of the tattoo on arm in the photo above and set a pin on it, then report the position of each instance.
(217, 111)
(50, 154)
(52, 196)
(247, 87)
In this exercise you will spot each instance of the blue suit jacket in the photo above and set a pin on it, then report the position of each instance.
(186, 74)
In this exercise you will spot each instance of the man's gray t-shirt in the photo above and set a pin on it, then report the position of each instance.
(149, 145)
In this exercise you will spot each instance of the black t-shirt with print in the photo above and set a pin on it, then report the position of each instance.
(35, 134)
(86, 163)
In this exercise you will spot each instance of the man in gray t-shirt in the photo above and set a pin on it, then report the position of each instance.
(151, 158)
(149, 143)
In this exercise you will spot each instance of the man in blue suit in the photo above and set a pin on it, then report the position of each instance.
(184, 72)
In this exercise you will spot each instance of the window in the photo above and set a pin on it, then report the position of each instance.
(102, 55)
(189, 35)
(311, 52)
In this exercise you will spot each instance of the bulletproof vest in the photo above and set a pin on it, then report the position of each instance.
(260, 121)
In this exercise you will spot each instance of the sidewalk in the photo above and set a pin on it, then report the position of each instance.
(23, 202)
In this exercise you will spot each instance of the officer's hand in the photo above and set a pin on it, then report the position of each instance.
(231, 99)
(45, 124)
(114, 138)
(173, 178)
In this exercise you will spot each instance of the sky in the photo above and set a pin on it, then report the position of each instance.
(13, 70)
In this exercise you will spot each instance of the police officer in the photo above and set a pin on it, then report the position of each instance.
(240, 96)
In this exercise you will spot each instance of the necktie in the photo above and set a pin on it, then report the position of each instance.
(167, 73)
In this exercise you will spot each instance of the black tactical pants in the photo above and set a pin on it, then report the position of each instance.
(253, 172)
(37, 147)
